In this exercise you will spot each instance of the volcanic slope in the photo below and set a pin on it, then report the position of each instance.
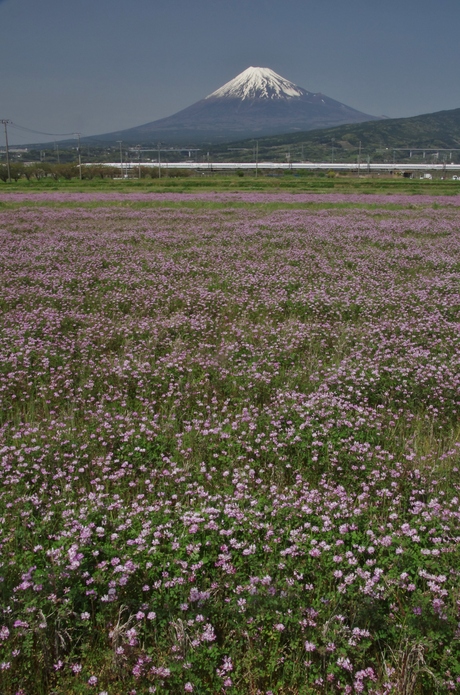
(257, 102)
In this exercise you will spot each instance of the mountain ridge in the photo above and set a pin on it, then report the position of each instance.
(257, 102)
(438, 130)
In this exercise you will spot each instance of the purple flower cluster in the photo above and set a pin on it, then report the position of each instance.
(67, 197)
(229, 445)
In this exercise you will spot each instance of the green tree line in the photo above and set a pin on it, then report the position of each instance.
(42, 170)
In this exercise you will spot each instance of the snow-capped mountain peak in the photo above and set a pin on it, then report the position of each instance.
(256, 103)
(258, 83)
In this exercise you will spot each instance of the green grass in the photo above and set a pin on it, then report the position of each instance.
(286, 183)
(202, 205)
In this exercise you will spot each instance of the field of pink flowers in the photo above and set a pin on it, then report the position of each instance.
(229, 447)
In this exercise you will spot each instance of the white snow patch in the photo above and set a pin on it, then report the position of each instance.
(259, 83)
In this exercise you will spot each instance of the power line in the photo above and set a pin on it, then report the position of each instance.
(39, 132)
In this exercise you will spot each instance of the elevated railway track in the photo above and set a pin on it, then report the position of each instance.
(130, 168)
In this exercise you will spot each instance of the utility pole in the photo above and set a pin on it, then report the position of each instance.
(79, 154)
(159, 161)
(121, 158)
(332, 158)
(257, 157)
(5, 122)
(359, 158)
(57, 152)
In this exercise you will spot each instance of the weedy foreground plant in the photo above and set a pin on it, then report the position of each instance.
(229, 449)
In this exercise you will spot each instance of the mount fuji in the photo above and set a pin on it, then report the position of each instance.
(257, 102)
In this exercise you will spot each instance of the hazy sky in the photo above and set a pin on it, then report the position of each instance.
(100, 65)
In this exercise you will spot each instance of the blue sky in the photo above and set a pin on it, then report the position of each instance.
(99, 65)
